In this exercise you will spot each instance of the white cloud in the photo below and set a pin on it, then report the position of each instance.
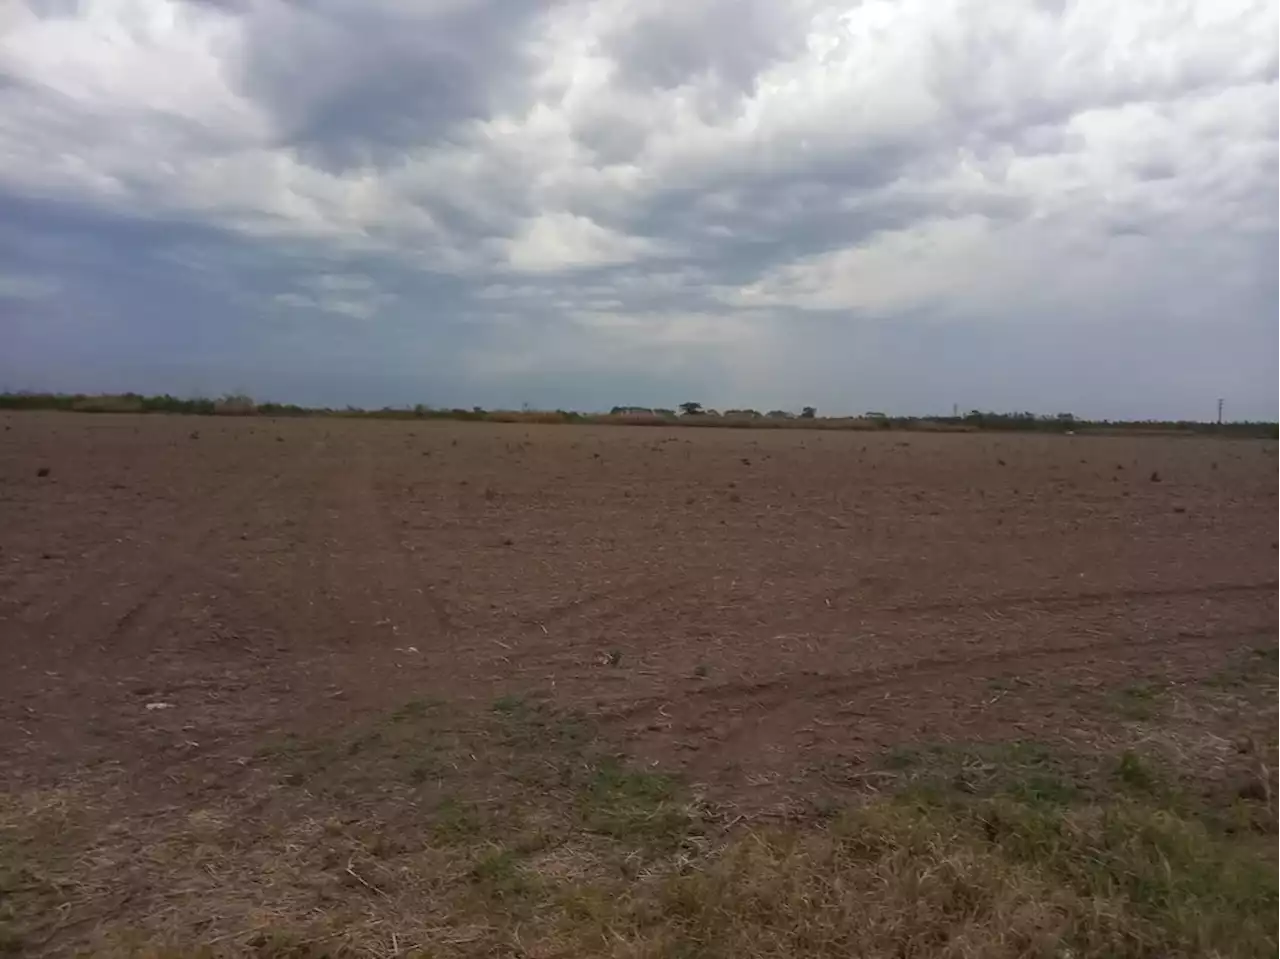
(552, 242)
(895, 271)
(340, 283)
(138, 58)
(357, 302)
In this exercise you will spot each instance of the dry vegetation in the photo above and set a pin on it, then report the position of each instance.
(427, 832)
(339, 688)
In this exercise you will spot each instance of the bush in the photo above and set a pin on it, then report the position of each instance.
(235, 404)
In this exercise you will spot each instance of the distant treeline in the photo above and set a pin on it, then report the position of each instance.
(688, 414)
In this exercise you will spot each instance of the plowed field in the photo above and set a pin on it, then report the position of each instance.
(759, 613)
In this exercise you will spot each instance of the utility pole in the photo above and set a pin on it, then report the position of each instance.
(1219, 411)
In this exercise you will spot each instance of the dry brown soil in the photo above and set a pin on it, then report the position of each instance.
(758, 611)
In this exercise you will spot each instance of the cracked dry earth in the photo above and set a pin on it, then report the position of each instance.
(758, 611)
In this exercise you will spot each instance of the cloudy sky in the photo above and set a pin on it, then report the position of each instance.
(889, 204)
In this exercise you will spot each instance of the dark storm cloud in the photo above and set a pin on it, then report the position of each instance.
(754, 216)
(176, 306)
(352, 84)
(730, 41)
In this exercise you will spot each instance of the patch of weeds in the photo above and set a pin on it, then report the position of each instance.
(300, 759)
(358, 744)
(1266, 655)
(420, 749)
(634, 806)
(415, 709)
(1227, 680)
(288, 746)
(455, 821)
(910, 756)
(510, 705)
(425, 748)
(1007, 684)
(1026, 771)
(498, 874)
(1038, 788)
(1136, 774)
(586, 905)
(423, 771)
(1252, 667)
(534, 731)
(1138, 701)
(408, 745)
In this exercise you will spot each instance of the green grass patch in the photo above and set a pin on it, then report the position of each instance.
(1025, 771)
(638, 807)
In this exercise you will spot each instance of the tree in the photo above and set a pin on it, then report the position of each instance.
(691, 409)
(809, 412)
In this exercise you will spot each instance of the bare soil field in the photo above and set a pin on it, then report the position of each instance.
(217, 632)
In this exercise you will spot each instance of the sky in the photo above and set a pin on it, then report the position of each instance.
(902, 206)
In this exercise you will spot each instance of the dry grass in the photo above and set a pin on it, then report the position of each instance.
(433, 832)
(993, 878)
